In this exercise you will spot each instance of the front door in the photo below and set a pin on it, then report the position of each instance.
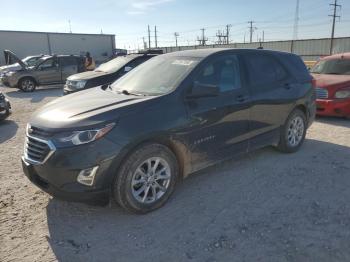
(219, 125)
(49, 72)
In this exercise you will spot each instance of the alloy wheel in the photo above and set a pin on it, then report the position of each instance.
(27, 85)
(151, 180)
(296, 131)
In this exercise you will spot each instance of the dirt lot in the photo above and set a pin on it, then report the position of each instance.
(265, 206)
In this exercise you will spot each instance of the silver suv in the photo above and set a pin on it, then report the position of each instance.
(49, 70)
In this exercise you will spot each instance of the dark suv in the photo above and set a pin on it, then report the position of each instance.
(105, 74)
(169, 117)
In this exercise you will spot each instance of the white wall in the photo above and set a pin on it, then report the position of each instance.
(32, 43)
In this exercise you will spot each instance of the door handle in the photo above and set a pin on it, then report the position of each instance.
(241, 98)
(288, 86)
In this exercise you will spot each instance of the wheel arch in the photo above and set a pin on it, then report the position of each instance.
(30, 77)
(175, 146)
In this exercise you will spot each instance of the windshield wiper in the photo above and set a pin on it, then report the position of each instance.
(126, 92)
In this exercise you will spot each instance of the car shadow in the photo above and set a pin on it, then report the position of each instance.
(281, 207)
(38, 95)
(337, 121)
(8, 129)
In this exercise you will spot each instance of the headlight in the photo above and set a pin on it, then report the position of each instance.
(80, 84)
(341, 94)
(10, 73)
(84, 137)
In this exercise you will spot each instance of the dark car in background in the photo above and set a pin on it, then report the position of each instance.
(332, 80)
(169, 117)
(5, 107)
(49, 70)
(106, 73)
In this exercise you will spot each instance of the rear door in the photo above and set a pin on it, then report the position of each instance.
(69, 66)
(219, 125)
(271, 88)
(49, 72)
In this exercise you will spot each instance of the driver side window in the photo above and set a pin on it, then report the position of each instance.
(48, 64)
(222, 72)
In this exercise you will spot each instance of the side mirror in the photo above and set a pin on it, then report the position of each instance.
(127, 68)
(203, 90)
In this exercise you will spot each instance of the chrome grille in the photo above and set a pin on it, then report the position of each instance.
(37, 150)
(34, 131)
(321, 93)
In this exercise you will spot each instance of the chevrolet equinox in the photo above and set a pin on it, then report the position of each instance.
(171, 116)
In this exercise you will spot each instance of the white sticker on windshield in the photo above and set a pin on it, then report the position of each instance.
(183, 62)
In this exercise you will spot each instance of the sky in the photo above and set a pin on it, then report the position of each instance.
(128, 19)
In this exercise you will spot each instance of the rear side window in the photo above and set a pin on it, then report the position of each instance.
(68, 61)
(264, 69)
(296, 66)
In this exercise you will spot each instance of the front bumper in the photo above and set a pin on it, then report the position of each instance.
(4, 108)
(69, 90)
(336, 107)
(58, 174)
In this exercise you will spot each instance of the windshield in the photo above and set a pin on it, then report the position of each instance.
(157, 76)
(334, 67)
(31, 60)
(114, 65)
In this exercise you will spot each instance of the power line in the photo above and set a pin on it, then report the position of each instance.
(335, 8)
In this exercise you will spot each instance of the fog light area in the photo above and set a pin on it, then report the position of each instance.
(87, 176)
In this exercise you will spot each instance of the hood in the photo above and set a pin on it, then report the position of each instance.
(13, 67)
(86, 75)
(11, 58)
(86, 109)
(331, 81)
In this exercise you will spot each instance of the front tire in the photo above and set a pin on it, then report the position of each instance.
(27, 84)
(293, 132)
(146, 179)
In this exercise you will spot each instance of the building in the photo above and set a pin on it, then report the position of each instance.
(25, 43)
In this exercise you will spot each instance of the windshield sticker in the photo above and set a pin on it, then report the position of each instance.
(183, 62)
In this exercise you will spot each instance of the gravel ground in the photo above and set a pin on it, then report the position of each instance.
(265, 206)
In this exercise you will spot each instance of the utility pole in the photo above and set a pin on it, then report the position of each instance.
(263, 38)
(251, 30)
(176, 34)
(144, 43)
(70, 26)
(334, 15)
(203, 40)
(296, 21)
(228, 33)
(155, 36)
(220, 35)
(149, 38)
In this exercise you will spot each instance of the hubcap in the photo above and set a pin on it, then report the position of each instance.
(295, 131)
(151, 180)
(27, 85)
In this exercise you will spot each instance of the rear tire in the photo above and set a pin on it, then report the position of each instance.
(146, 179)
(293, 132)
(27, 84)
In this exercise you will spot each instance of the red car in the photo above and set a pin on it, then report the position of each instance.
(332, 81)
